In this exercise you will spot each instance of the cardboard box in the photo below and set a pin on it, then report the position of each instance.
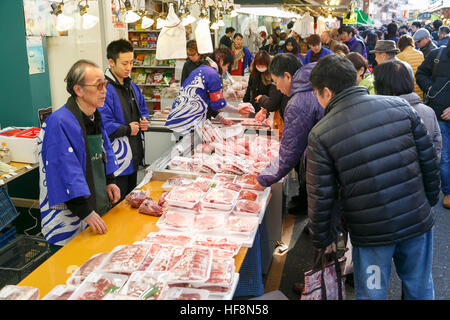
(22, 142)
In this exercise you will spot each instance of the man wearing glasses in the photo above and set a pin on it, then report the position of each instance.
(422, 38)
(76, 161)
(124, 114)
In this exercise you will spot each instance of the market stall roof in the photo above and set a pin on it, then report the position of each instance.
(318, 7)
(269, 11)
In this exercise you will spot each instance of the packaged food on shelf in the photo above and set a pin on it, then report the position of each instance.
(162, 199)
(258, 167)
(185, 197)
(232, 186)
(190, 264)
(222, 272)
(175, 220)
(150, 207)
(181, 164)
(176, 293)
(238, 224)
(60, 292)
(99, 284)
(13, 292)
(249, 181)
(146, 285)
(136, 197)
(155, 248)
(176, 181)
(225, 178)
(125, 258)
(209, 222)
(89, 266)
(207, 210)
(203, 184)
(204, 148)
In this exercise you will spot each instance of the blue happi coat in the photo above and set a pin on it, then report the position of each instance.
(201, 89)
(113, 118)
(62, 174)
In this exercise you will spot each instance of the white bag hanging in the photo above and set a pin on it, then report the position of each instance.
(172, 39)
(203, 37)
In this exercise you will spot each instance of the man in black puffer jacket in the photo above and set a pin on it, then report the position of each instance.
(371, 163)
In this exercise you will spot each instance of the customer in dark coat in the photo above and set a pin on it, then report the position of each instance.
(301, 114)
(371, 158)
(193, 61)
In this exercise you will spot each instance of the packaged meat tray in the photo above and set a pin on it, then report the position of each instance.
(190, 264)
(247, 207)
(258, 167)
(181, 164)
(248, 181)
(176, 220)
(162, 199)
(185, 197)
(221, 292)
(82, 272)
(222, 271)
(176, 181)
(248, 195)
(116, 296)
(12, 292)
(144, 284)
(220, 198)
(232, 186)
(150, 207)
(242, 224)
(125, 258)
(228, 246)
(161, 261)
(203, 209)
(168, 238)
(60, 292)
(209, 222)
(99, 284)
(176, 293)
(224, 178)
(136, 197)
(155, 248)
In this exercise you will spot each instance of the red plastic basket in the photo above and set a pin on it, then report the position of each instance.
(29, 133)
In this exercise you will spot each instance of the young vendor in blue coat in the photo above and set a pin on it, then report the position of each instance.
(76, 161)
(124, 115)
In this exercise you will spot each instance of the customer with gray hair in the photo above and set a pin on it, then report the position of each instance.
(76, 160)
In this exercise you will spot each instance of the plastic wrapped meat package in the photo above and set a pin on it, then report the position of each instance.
(168, 238)
(162, 199)
(190, 264)
(247, 207)
(155, 248)
(249, 181)
(232, 186)
(224, 178)
(60, 292)
(185, 197)
(220, 198)
(176, 181)
(248, 195)
(222, 246)
(98, 284)
(150, 207)
(82, 272)
(176, 293)
(210, 165)
(13, 292)
(145, 285)
(258, 167)
(136, 197)
(243, 225)
(204, 148)
(203, 184)
(181, 164)
(206, 210)
(125, 258)
(222, 272)
(207, 222)
(161, 261)
(176, 220)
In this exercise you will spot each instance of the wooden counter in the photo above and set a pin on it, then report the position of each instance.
(125, 226)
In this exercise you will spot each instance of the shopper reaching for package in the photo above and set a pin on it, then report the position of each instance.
(202, 90)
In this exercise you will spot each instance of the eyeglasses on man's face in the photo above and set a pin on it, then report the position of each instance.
(101, 85)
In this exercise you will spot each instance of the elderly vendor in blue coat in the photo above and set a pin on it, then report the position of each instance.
(76, 161)
(302, 112)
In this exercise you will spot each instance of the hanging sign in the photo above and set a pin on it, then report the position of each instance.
(351, 20)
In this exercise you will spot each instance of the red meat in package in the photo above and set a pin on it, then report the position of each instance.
(223, 247)
(190, 264)
(221, 196)
(247, 206)
(89, 266)
(143, 284)
(13, 292)
(248, 195)
(98, 284)
(125, 259)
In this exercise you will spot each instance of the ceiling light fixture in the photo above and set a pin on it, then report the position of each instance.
(63, 22)
(130, 15)
(89, 21)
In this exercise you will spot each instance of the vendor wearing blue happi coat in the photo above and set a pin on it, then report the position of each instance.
(76, 161)
(202, 90)
(124, 115)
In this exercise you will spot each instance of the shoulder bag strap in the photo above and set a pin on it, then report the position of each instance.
(436, 63)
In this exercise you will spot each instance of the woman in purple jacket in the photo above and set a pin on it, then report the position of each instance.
(302, 112)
